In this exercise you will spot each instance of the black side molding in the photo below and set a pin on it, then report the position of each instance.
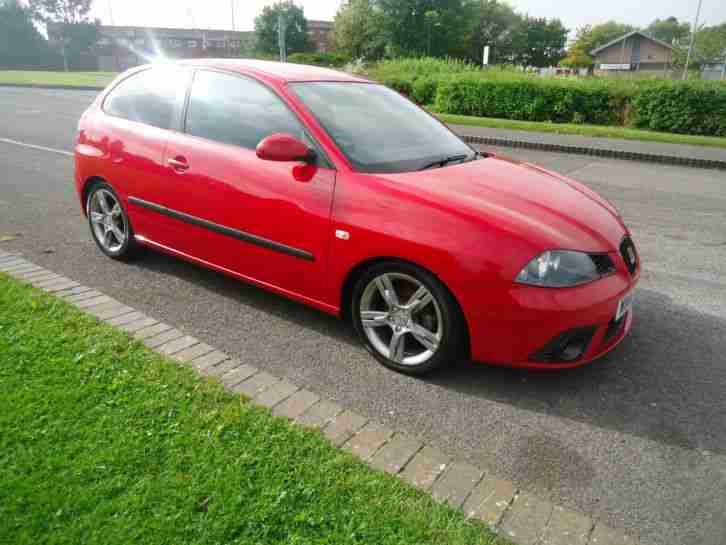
(228, 231)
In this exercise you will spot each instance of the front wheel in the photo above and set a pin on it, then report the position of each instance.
(406, 318)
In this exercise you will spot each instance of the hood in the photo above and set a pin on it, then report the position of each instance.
(547, 210)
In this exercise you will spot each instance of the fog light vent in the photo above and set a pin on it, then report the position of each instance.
(566, 347)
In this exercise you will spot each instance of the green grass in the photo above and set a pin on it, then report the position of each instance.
(103, 441)
(75, 79)
(585, 130)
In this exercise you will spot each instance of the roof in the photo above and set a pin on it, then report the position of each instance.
(282, 71)
(112, 29)
(320, 25)
(628, 35)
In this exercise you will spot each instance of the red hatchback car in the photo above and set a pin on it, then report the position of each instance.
(340, 193)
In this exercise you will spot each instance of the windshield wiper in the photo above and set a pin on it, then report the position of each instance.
(445, 161)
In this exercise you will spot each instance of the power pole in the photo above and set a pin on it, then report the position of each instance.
(693, 40)
(281, 31)
(110, 12)
(231, 3)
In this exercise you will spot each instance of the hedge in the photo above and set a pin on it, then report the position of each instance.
(685, 107)
(530, 99)
(319, 59)
(456, 87)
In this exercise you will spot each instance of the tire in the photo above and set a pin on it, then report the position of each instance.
(421, 301)
(112, 220)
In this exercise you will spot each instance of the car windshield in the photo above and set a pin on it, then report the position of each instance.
(380, 131)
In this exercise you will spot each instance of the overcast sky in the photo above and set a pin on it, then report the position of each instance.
(218, 13)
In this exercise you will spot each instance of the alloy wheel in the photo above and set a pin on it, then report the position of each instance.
(107, 220)
(401, 318)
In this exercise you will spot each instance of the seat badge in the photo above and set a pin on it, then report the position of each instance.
(342, 235)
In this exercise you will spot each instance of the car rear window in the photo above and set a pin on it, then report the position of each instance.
(153, 96)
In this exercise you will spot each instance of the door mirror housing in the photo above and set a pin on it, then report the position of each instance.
(284, 147)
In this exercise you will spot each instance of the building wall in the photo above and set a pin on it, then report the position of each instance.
(321, 33)
(616, 54)
(651, 52)
(122, 47)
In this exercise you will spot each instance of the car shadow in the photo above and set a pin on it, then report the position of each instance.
(664, 382)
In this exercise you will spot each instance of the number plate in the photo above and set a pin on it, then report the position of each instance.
(625, 305)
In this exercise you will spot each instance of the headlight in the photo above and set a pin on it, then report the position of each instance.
(559, 269)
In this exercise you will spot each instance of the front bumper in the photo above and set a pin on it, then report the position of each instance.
(517, 331)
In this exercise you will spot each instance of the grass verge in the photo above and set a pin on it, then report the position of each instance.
(73, 79)
(103, 441)
(599, 131)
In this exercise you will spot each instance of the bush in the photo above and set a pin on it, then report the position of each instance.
(401, 84)
(532, 99)
(320, 59)
(424, 89)
(682, 107)
(418, 78)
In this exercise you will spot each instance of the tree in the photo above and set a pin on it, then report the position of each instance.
(21, 45)
(491, 23)
(407, 27)
(539, 42)
(297, 39)
(591, 37)
(77, 32)
(669, 30)
(63, 11)
(577, 58)
(357, 30)
(709, 47)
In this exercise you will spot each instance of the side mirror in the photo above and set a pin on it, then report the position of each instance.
(284, 147)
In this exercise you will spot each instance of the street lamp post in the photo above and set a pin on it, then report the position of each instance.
(693, 40)
(281, 36)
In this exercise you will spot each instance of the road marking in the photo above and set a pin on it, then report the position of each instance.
(34, 146)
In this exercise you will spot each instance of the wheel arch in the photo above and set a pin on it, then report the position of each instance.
(87, 184)
(355, 273)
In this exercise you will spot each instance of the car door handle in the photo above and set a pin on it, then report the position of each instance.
(178, 164)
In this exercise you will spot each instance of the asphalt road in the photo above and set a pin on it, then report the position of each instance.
(637, 439)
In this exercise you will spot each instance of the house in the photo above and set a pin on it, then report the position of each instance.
(321, 33)
(634, 52)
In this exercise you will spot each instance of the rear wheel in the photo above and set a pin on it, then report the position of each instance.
(406, 318)
(110, 226)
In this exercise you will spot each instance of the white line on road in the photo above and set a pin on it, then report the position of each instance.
(33, 146)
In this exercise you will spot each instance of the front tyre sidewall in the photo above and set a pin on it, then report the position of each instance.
(451, 342)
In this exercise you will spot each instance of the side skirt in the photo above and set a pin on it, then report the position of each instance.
(320, 305)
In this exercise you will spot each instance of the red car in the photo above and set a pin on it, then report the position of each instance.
(340, 193)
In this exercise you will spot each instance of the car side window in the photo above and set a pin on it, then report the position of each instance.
(153, 97)
(237, 110)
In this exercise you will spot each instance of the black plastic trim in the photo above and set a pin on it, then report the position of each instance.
(228, 231)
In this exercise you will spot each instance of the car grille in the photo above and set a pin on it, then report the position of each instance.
(614, 328)
(603, 263)
(630, 255)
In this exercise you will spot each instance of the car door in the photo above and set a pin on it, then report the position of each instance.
(251, 216)
(140, 114)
